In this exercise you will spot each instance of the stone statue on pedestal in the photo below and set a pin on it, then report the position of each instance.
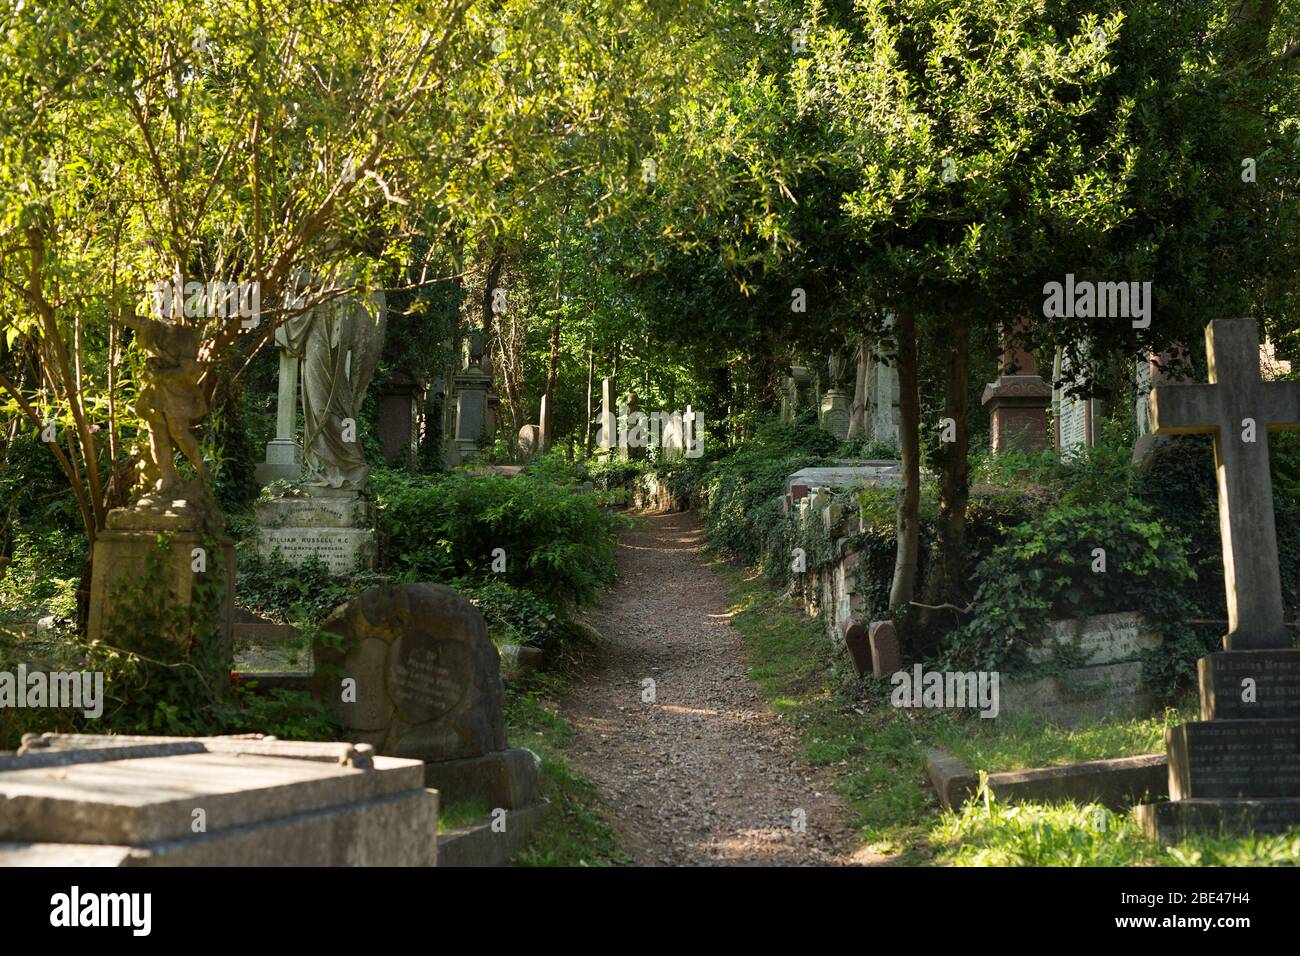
(339, 343)
(170, 403)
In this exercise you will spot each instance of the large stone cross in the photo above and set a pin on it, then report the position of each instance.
(1239, 409)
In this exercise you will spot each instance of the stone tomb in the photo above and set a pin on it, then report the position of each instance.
(90, 800)
(1237, 770)
(1106, 680)
(335, 526)
(416, 675)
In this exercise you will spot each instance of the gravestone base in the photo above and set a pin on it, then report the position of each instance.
(283, 462)
(1236, 771)
(504, 778)
(478, 844)
(121, 562)
(336, 527)
(1175, 820)
(1234, 759)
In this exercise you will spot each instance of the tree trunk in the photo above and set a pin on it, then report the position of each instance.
(944, 583)
(591, 377)
(858, 410)
(909, 496)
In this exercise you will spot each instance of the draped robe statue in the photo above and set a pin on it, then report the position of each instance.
(339, 343)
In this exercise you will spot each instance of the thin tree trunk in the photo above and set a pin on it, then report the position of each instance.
(858, 410)
(909, 497)
(591, 376)
(947, 566)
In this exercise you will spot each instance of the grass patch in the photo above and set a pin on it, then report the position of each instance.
(876, 755)
(453, 816)
(573, 832)
(1023, 743)
(1035, 834)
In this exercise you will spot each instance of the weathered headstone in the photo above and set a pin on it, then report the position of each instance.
(835, 413)
(471, 385)
(1017, 402)
(530, 440)
(399, 419)
(886, 658)
(427, 682)
(1076, 416)
(854, 634)
(1103, 678)
(882, 413)
(414, 673)
(1238, 768)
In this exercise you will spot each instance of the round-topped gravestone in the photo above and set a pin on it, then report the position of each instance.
(410, 669)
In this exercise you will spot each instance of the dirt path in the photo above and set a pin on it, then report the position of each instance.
(706, 775)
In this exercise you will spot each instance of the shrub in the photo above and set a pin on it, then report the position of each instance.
(515, 616)
(1044, 570)
(557, 541)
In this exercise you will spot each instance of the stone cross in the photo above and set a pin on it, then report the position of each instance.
(1239, 408)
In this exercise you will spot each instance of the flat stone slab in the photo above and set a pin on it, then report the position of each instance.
(147, 799)
(1114, 783)
(874, 473)
(239, 801)
(398, 830)
(952, 780)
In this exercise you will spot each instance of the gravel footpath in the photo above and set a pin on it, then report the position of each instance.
(707, 774)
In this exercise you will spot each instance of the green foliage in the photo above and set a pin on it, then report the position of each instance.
(1048, 569)
(1070, 834)
(42, 577)
(1026, 741)
(738, 490)
(557, 541)
(303, 595)
(876, 755)
(574, 831)
(163, 670)
(516, 616)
